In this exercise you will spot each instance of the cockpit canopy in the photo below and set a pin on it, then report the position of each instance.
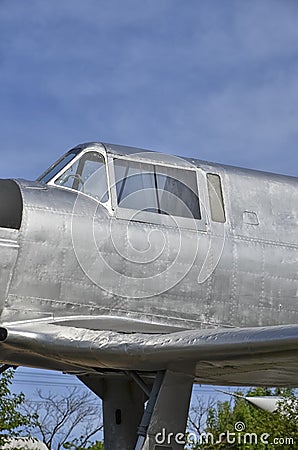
(81, 170)
(138, 186)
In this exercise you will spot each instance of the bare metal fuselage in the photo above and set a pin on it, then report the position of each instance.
(252, 257)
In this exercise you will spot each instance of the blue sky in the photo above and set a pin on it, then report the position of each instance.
(213, 79)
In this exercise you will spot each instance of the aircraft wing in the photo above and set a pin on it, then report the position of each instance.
(232, 356)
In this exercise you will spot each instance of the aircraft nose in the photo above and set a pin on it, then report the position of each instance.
(11, 205)
(11, 212)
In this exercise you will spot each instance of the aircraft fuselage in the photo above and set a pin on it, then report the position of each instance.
(82, 262)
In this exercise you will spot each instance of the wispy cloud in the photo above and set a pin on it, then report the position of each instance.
(216, 79)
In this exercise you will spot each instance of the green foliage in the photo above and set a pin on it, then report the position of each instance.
(67, 420)
(96, 446)
(90, 446)
(274, 428)
(16, 418)
(12, 421)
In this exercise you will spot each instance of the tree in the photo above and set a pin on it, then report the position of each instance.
(198, 415)
(239, 425)
(94, 446)
(68, 420)
(12, 421)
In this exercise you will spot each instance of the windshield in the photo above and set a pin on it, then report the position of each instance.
(57, 166)
(88, 175)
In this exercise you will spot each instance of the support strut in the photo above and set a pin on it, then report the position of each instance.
(123, 406)
(127, 426)
(166, 430)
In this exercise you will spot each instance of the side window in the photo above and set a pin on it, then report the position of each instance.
(216, 198)
(135, 185)
(163, 190)
(178, 192)
(88, 175)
